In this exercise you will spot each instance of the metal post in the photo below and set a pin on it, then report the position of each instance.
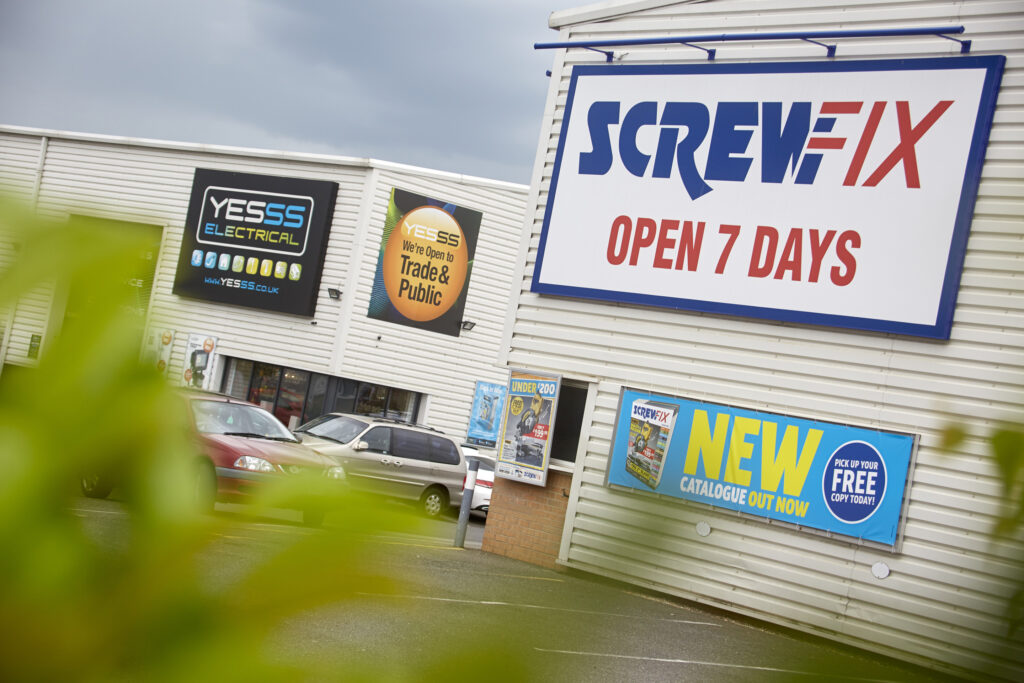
(472, 466)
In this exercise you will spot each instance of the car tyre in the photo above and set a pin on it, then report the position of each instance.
(434, 501)
(94, 486)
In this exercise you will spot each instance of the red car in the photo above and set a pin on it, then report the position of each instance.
(241, 448)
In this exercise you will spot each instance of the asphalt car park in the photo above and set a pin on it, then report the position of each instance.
(463, 614)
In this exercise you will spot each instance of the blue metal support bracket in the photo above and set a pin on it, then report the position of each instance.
(946, 32)
(965, 45)
(710, 51)
(830, 50)
(609, 55)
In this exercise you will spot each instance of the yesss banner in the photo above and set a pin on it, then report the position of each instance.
(833, 193)
(255, 240)
(425, 262)
(845, 480)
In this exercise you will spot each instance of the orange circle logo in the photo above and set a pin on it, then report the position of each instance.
(425, 263)
(208, 345)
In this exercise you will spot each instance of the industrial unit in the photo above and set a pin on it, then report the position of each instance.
(777, 247)
(271, 276)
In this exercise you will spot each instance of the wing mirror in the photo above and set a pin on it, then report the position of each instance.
(361, 446)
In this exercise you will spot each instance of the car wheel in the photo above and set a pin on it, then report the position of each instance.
(205, 486)
(93, 486)
(313, 517)
(434, 501)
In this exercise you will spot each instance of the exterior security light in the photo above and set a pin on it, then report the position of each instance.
(334, 293)
(467, 325)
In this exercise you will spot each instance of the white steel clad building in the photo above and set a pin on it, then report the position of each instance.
(942, 594)
(267, 355)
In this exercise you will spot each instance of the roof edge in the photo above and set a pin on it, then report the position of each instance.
(609, 9)
(308, 157)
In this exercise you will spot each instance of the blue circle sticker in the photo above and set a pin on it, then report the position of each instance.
(854, 482)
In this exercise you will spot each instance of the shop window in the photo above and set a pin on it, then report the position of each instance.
(237, 378)
(572, 401)
(372, 400)
(345, 399)
(402, 405)
(265, 380)
(291, 397)
(315, 398)
(303, 395)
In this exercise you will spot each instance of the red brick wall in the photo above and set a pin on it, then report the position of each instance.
(525, 522)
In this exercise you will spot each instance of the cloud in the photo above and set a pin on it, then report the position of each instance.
(436, 85)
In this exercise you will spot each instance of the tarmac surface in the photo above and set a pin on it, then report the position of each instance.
(492, 618)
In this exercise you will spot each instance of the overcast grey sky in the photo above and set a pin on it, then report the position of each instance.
(448, 84)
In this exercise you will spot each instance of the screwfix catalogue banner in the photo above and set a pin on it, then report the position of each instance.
(831, 193)
(835, 478)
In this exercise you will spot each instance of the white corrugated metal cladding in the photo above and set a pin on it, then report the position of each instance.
(150, 182)
(947, 602)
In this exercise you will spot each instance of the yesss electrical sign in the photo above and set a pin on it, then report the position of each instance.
(836, 193)
(831, 477)
(254, 240)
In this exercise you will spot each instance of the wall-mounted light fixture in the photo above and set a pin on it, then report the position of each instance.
(467, 325)
(334, 293)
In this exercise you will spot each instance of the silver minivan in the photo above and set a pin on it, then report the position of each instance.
(392, 458)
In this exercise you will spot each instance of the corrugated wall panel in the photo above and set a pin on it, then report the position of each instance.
(31, 318)
(152, 185)
(19, 159)
(945, 603)
(19, 169)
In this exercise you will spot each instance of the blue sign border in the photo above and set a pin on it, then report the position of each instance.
(993, 66)
(869, 490)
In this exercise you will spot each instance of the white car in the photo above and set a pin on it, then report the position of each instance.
(484, 480)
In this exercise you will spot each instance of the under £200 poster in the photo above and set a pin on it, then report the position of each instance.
(831, 477)
(425, 261)
(524, 446)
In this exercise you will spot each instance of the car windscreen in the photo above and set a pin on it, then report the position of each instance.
(220, 417)
(334, 428)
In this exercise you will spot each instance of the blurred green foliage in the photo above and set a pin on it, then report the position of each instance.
(1006, 446)
(76, 605)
